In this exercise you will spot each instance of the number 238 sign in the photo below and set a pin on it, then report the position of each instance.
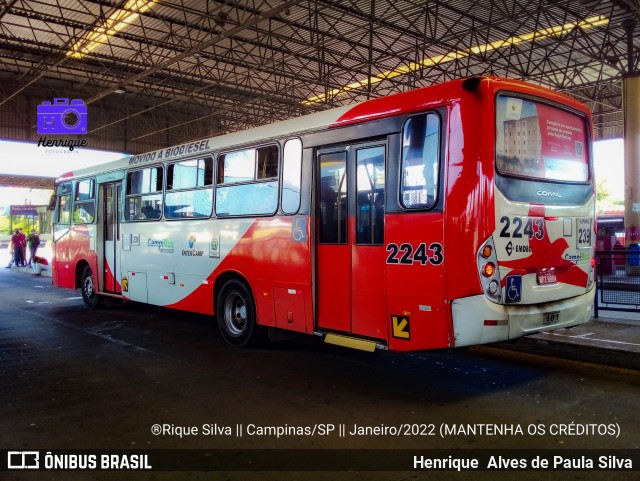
(408, 254)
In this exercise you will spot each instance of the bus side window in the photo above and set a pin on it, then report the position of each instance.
(370, 184)
(144, 194)
(420, 161)
(189, 189)
(83, 212)
(64, 209)
(84, 204)
(248, 182)
(333, 198)
(291, 176)
(267, 158)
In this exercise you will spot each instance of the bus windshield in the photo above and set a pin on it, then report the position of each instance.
(538, 141)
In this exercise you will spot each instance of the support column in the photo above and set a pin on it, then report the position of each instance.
(631, 116)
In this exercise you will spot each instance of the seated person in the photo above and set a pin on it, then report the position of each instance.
(149, 212)
(39, 264)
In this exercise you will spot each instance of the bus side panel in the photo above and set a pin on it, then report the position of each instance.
(417, 311)
(76, 245)
(110, 278)
(166, 264)
(82, 248)
(470, 194)
(271, 254)
(61, 271)
(274, 255)
(200, 300)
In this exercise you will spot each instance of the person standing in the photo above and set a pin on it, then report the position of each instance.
(12, 249)
(21, 258)
(16, 249)
(33, 241)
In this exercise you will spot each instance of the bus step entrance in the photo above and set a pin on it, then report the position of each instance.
(352, 342)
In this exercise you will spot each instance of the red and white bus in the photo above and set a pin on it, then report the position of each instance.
(451, 215)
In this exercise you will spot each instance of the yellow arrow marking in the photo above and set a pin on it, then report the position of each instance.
(399, 324)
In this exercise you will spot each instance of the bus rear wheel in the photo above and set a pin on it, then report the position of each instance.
(236, 314)
(88, 289)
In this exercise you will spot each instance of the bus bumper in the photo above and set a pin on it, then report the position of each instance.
(477, 320)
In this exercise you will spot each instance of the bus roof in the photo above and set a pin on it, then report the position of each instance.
(382, 107)
(293, 127)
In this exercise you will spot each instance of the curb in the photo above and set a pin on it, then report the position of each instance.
(609, 356)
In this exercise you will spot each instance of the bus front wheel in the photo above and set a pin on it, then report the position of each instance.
(236, 314)
(88, 289)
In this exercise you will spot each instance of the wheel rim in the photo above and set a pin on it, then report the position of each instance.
(235, 314)
(88, 287)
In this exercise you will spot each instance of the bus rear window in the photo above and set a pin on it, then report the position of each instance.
(539, 141)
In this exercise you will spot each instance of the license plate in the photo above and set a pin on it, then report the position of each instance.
(547, 277)
(550, 318)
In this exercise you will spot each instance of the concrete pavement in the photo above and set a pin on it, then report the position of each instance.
(613, 339)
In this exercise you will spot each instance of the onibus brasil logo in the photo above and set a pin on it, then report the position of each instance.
(62, 117)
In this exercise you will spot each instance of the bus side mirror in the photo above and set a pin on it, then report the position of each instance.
(52, 203)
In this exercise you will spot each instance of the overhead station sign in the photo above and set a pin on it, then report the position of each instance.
(29, 210)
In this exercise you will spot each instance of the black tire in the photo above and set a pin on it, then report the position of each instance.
(236, 315)
(88, 289)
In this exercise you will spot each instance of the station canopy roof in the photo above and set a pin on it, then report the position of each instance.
(28, 181)
(209, 67)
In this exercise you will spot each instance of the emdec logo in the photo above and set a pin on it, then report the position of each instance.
(23, 460)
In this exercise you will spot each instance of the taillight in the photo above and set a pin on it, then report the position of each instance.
(488, 270)
(486, 251)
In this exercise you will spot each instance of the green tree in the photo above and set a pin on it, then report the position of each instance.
(602, 191)
(4, 224)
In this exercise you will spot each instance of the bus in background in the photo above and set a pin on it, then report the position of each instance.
(451, 215)
(610, 230)
(611, 251)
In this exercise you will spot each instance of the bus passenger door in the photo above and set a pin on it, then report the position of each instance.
(62, 272)
(350, 261)
(111, 248)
